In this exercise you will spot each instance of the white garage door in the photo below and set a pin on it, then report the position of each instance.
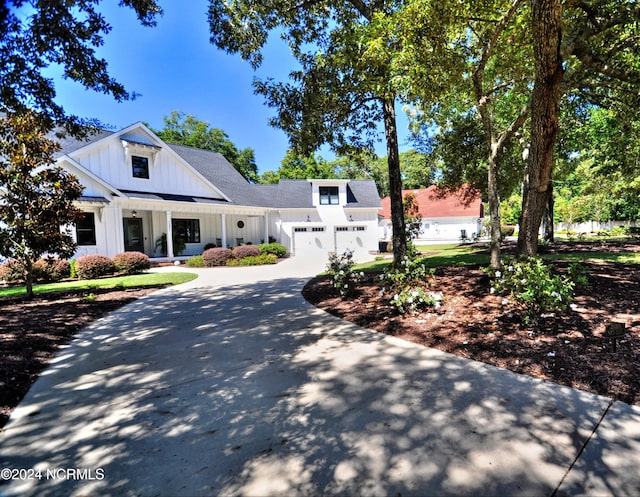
(350, 238)
(311, 241)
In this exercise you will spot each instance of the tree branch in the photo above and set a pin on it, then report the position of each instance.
(363, 8)
(508, 133)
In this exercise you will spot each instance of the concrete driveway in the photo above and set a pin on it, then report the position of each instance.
(232, 385)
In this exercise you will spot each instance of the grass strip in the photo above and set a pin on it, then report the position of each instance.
(116, 283)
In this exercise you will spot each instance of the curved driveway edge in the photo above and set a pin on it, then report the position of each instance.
(233, 385)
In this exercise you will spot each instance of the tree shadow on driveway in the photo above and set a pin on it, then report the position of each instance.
(249, 390)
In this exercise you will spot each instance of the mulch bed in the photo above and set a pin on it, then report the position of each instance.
(32, 331)
(569, 348)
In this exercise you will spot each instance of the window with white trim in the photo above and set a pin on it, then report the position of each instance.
(329, 195)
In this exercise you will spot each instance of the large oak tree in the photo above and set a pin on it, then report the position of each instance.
(37, 35)
(355, 59)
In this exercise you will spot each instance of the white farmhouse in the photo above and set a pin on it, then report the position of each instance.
(139, 188)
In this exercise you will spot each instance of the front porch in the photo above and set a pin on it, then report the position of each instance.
(148, 231)
(118, 226)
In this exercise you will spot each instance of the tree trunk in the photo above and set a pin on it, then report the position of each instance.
(28, 277)
(494, 210)
(547, 34)
(547, 218)
(395, 181)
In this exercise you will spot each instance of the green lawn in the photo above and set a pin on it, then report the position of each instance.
(438, 255)
(466, 255)
(120, 282)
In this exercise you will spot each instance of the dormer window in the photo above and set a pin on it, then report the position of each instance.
(329, 195)
(140, 166)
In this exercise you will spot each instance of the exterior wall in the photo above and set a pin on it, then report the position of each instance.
(167, 174)
(355, 229)
(449, 228)
(109, 234)
(438, 228)
(593, 226)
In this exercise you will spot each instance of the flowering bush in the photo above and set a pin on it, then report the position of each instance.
(131, 262)
(343, 277)
(408, 286)
(410, 272)
(242, 251)
(88, 267)
(216, 256)
(416, 299)
(533, 286)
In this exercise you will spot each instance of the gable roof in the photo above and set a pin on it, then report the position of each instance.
(431, 204)
(223, 176)
(69, 144)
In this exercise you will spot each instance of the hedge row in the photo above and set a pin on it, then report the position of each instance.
(45, 270)
(87, 267)
(243, 255)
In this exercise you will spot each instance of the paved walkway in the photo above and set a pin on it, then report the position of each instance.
(232, 385)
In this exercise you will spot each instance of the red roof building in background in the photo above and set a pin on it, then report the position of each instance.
(444, 217)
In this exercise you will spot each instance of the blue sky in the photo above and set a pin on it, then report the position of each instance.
(173, 66)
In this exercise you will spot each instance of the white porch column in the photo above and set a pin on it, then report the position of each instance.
(169, 235)
(224, 229)
(266, 227)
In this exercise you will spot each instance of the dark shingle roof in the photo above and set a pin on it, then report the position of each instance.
(173, 197)
(69, 144)
(292, 194)
(220, 173)
(289, 193)
(364, 193)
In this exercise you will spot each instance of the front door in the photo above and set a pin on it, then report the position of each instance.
(133, 238)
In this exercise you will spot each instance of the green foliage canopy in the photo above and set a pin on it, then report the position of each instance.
(38, 35)
(187, 130)
(36, 195)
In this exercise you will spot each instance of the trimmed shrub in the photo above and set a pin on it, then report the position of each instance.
(131, 262)
(507, 230)
(242, 251)
(253, 260)
(195, 261)
(94, 266)
(51, 269)
(216, 256)
(274, 248)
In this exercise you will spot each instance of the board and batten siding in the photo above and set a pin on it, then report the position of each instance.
(167, 174)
